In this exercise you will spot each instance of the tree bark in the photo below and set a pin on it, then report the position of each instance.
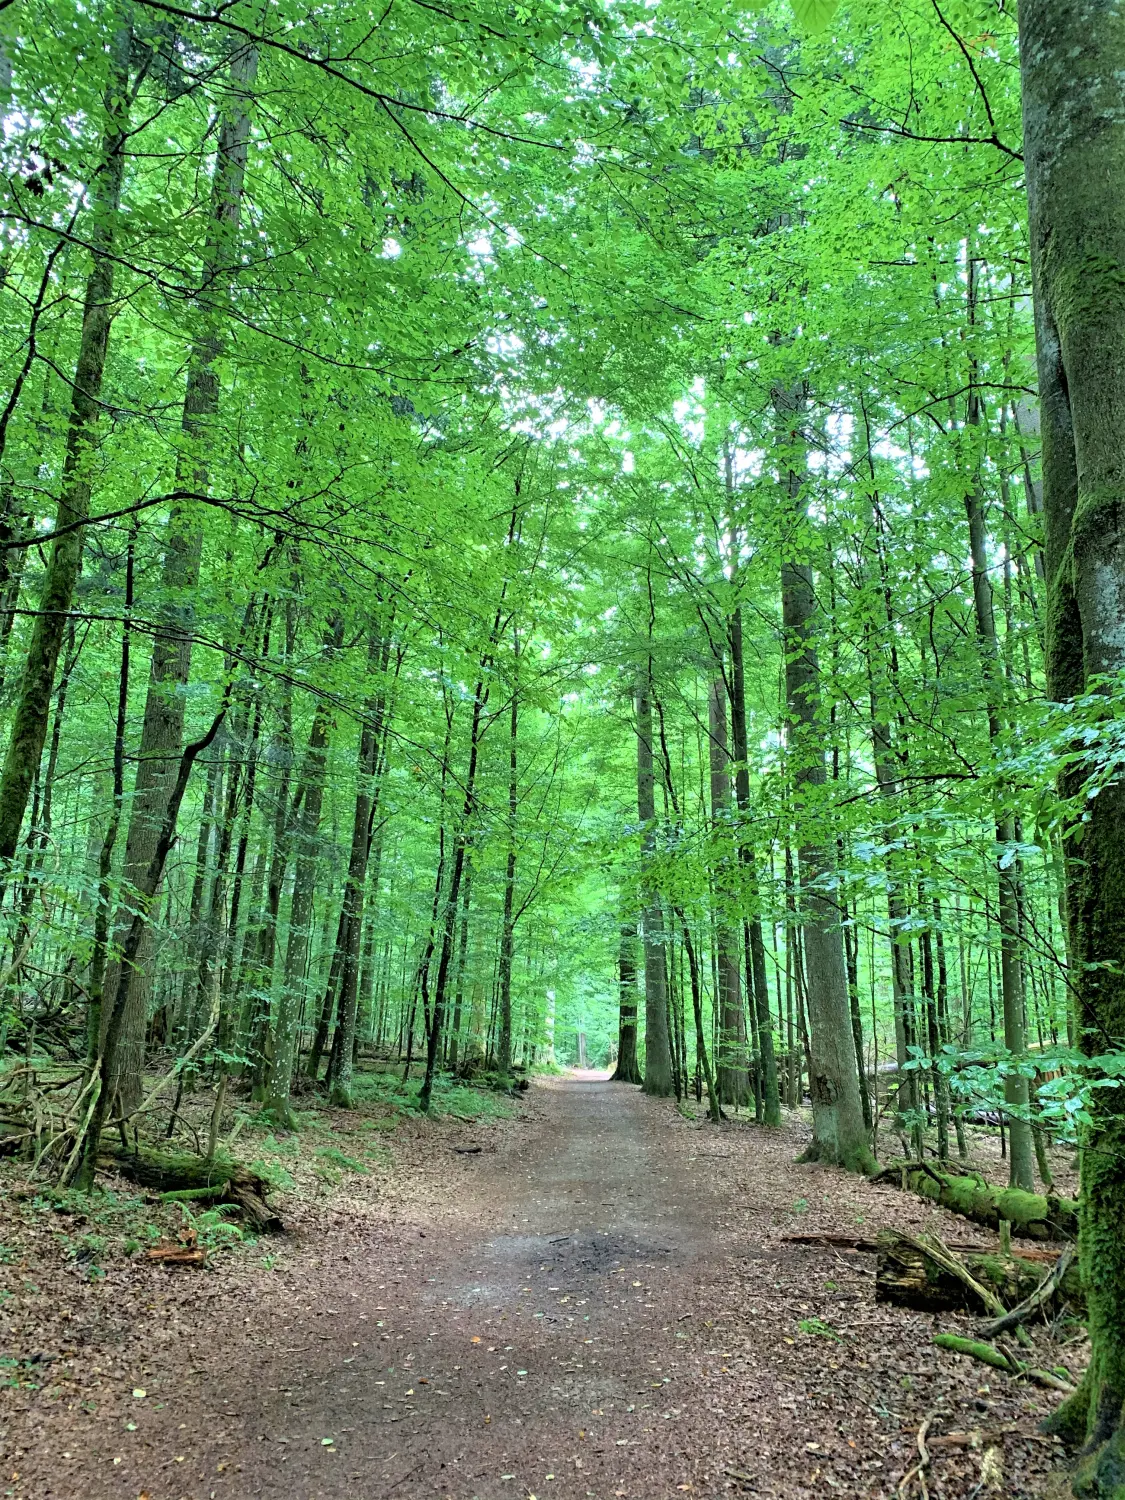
(29, 722)
(162, 729)
(658, 1056)
(733, 1077)
(1072, 57)
(838, 1130)
(758, 992)
(371, 741)
(627, 1069)
(311, 794)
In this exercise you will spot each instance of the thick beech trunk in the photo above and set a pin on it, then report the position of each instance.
(1072, 59)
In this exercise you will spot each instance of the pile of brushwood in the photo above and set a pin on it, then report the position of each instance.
(43, 1110)
(1011, 1287)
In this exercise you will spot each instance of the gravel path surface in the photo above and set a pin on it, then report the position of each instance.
(598, 1303)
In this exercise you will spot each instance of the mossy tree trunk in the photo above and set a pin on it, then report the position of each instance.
(1072, 55)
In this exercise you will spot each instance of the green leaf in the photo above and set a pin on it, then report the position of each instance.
(814, 15)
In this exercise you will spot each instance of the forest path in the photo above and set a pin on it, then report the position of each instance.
(601, 1305)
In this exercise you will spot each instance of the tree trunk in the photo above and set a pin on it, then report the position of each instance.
(658, 1056)
(162, 729)
(29, 721)
(146, 893)
(464, 833)
(371, 741)
(627, 1069)
(1072, 58)
(504, 1049)
(755, 946)
(838, 1130)
(293, 985)
(462, 955)
(1007, 864)
(733, 1077)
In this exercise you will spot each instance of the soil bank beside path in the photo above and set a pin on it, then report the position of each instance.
(598, 1304)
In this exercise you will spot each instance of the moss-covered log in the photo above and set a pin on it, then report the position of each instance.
(1033, 1216)
(908, 1277)
(173, 1172)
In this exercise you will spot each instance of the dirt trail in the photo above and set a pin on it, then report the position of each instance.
(598, 1304)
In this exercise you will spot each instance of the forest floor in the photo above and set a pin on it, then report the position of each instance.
(599, 1302)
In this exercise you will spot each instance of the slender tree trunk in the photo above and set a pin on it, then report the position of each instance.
(755, 946)
(507, 925)
(105, 857)
(627, 1069)
(33, 706)
(294, 982)
(86, 1162)
(262, 1042)
(371, 742)
(838, 1131)
(464, 834)
(162, 729)
(658, 1055)
(1072, 60)
(462, 955)
(1007, 865)
(733, 1078)
(461, 846)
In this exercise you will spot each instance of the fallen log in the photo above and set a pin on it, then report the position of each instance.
(173, 1172)
(176, 1255)
(1034, 1216)
(909, 1276)
(827, 1241)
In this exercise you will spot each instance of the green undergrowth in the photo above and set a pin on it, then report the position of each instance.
(450, 1096)
(334, 1148)
(330, 1149)
(88, 1232)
